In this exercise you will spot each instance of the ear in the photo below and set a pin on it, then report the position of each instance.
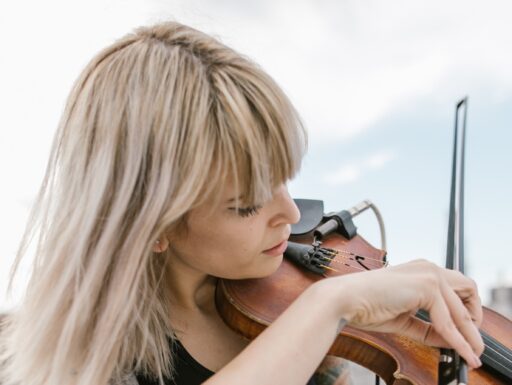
(161, 245)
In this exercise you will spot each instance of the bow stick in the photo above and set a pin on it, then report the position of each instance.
(452, 368)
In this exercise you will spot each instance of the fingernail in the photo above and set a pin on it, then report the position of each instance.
(477, 361)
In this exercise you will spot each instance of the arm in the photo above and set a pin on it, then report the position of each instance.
(290, 349)
(310, 325)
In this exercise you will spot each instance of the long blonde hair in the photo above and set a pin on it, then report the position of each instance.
(154, 124)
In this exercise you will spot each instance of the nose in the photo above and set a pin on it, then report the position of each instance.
(287, 211)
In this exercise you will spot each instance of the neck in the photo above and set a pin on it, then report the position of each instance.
(190, 289)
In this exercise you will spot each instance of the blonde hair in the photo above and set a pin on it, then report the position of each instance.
(154, 124)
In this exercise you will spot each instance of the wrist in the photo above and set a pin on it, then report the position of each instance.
(338, 297)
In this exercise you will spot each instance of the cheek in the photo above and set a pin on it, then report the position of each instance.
(228, 249)
(218, 239)
(236, 244)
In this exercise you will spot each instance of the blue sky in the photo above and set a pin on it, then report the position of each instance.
(375, 82)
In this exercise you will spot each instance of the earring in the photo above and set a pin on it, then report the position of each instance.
(160, 245)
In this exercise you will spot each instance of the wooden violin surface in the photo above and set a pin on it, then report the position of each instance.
(248, 306)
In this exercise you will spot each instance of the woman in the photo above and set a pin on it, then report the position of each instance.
(168, 171)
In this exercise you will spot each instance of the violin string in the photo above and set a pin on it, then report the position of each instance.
(343, 260)
(506, 365)
(329, 268)
(499, 350)
(496, 346)
(341, 265)
(336, 252)
(491, 360)
(345, 257)
(342, 251)
(331, 260)
(340, 271)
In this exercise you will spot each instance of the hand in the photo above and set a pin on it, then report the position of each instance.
(385, 300)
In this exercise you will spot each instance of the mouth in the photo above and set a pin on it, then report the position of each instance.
(277, 249)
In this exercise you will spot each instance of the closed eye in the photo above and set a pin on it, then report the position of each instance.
(246, 211)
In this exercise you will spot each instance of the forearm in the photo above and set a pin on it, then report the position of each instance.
(289, 350)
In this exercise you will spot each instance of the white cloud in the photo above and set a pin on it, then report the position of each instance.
(354, 170)
(379, 159)
(346, 174)
(348, 64)
(345, 64)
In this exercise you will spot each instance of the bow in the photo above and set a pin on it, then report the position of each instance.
(451, 367)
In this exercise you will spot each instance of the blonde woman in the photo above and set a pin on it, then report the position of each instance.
(169, 170)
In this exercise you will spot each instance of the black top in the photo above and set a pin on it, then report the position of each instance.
(187, 370)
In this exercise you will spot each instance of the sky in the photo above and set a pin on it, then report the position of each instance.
(376, 84)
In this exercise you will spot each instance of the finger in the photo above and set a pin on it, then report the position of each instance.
(417, 329)
(463, 320)
(433, 338)
(467, 291)
(443, 324)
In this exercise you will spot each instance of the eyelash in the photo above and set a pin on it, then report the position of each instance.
(247, 211)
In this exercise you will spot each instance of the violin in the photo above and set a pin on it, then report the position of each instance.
(248, 306)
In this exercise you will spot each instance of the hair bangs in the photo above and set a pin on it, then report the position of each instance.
(261, 140)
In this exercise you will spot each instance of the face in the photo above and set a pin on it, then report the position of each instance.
(226, 243)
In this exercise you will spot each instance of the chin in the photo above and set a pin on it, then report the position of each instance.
(264, 268)
(268, 267)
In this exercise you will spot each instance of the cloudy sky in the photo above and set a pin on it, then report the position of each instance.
(376, 84)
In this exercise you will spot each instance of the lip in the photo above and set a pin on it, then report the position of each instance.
(277, 250)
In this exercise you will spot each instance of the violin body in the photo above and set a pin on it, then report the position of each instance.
(248, 306)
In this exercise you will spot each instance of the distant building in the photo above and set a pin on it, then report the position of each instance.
(501, 300)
